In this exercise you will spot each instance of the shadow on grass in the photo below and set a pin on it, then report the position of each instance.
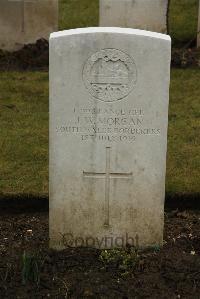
(23, 203)
(182, 201)
(27, 203)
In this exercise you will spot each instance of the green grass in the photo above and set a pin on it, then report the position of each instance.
(78, 13)
(183, 16)
(183, 164)
(183, 19)
(24, 133)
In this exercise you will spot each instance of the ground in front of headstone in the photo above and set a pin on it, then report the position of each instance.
(28, 269)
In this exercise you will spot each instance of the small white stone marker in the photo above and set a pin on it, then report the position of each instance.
(25, 21)
(141, 14)
(109, 93)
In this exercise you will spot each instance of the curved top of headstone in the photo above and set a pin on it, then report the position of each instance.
(117, 30)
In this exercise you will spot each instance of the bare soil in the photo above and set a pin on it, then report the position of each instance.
(170, 272)
(36, 57)
(30, 57)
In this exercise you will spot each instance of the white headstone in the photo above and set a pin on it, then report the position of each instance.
(109, 92)
(141, 14)
(198, 29)
(25, 21)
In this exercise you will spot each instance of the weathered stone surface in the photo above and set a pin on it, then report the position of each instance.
(109, 90)
(25, 21)
(141, 14)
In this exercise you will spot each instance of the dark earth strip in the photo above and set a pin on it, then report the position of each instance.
(36, 57)
(27, 203)
(171, 272)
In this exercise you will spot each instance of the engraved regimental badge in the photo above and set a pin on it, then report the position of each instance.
(109, 75)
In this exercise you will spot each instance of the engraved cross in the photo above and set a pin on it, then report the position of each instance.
(107, 175)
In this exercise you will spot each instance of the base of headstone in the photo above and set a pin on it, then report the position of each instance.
(139, 14)
(25, 21)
